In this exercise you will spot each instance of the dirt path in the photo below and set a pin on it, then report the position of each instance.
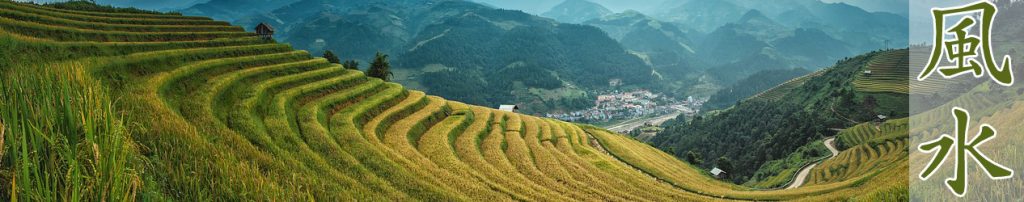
(833, 108)
(802, 175)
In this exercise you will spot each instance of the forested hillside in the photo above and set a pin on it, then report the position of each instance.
(460, 49)
(667, 50)
(750, 86)
(576, 11)
(777, 122)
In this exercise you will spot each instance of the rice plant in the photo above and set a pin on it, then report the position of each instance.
(64, 139)
(218, 114)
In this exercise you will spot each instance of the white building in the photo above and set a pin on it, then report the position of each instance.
(717, 172)
(508, 108)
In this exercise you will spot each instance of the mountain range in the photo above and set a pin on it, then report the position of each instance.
(576, 11)
(465, 51)
(667, 49)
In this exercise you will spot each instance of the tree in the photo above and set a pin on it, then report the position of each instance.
(694, 158)
(351, 64)
(380, 67)
(870, 103)
(331, 57)
(724, 163)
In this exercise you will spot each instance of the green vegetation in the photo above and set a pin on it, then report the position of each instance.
(380, 67)
(779, 121)
(885, 73)
(778, 173)
(74, 145)
(662, 166)
(351, 64)
(878, 150)
(92, 117)
(331, 57)
(758, 82)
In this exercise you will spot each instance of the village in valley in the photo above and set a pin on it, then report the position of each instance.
(615, 106)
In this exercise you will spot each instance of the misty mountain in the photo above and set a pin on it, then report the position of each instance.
(730, 43)
(434, 40)
(494, 46)
(231, 10)
(766, 59)
(576, 11)
(541, 6)
(861, 30)
(750, 86)
(702, 15)
(465, 51)
(896, 7)
(662, 45)
(812, 47)
(786, 34)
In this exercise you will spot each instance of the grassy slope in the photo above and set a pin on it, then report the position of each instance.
(144, 111)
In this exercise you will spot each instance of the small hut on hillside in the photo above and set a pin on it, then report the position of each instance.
(265, 31)
(508, 108)
(718, 173)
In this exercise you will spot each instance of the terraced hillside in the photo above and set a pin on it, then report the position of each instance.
(780, 90)
(885, 73)
(176, 107)
(884, 154)
(869, 148)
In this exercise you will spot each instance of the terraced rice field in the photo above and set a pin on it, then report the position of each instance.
(934, 84)
(219, 114)
(868, 148)
(866, 132)
(780, 90)
(885, 73)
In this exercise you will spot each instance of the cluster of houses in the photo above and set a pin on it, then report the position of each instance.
(618, 105)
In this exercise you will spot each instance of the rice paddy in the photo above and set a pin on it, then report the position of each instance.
(885, 73)
(178, 107)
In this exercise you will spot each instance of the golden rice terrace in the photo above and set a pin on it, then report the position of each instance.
(213, 112)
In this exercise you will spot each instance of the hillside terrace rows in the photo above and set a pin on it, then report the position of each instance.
(229, 115)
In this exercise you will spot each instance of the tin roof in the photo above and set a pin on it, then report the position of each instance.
(508, 108)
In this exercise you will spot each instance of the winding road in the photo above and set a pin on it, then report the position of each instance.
(802, 175)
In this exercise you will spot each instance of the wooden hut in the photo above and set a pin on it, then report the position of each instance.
(265, 31)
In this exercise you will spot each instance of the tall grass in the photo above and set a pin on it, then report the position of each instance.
(64, 139)
(353, 125)
(56, 21)
(107, 19)
(32, 47)
(63, 33)
(90, 8)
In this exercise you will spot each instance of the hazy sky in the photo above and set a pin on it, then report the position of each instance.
(531, 6)
(541, 6)
(161, 5)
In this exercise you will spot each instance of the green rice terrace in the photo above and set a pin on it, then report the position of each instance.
(779, 91)
(868, 149)
(105, 104)
(885, 73)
